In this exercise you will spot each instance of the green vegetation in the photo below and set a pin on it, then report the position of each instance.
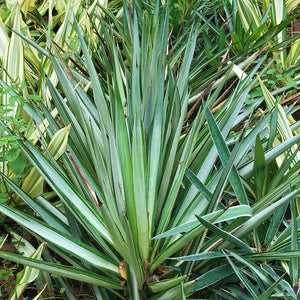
(150, 148)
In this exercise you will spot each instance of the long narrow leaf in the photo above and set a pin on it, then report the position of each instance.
(61, 240)
(229, 214)
(65, 271)
(225, 235)
(224, 155)
(68, 193)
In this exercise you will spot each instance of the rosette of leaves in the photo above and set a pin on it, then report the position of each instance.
(151, 202)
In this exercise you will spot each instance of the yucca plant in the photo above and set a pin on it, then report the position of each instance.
(150, 201)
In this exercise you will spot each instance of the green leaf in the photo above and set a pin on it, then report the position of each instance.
(294, 261)
(199, 185)
(246, 282)
(270, 255)
(271, 154)
(224, 154)
(65, 271)
(284, 285)
(268, 292)
(292, 83)
(65, 242)
(249, 15)
(47, 211)
(225, 235)
(97, 88)
(59, 142)
(186, 63)
(139, 181)
(27, 275)
(201, 256)
(276, 220)
(12, 154)
(259, 169)
(213, 276)
(261, 275)
(165, 284)
(260, 217)
(176, 292)
(229, 214)
(283, 124)
(18, 165)
(80, 206)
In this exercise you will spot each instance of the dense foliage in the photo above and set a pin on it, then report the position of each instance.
(151, 149)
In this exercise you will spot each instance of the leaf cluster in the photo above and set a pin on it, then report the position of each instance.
(167, 177)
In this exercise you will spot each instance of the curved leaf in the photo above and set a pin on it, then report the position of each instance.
(64, 271)
(61, 240)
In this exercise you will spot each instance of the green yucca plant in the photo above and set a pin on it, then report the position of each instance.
(149, 201)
